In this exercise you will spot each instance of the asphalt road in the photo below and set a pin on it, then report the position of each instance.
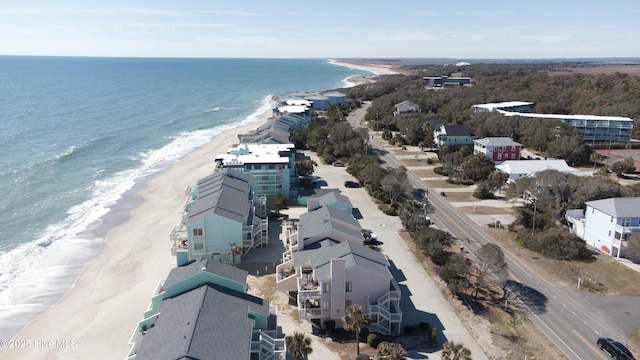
(573, 320)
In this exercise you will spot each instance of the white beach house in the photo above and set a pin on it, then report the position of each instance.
(606, 224)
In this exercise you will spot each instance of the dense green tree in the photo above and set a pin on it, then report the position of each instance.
(279, 202)
(455, 351)
(356, 319)
(625, 166)
(298, 345)
(476, 167)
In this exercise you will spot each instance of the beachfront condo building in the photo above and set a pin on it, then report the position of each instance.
(594, 128)
(606, 224)
(203, 310)
(223, 219)
(327, 268)
(507, 106)
(272, 165)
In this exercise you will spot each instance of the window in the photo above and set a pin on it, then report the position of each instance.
(625, 221)
(326, 305)
(499, 156)
(326, 287)
(611, 221)
(198, 245)
(513, 156)
(197, 232)
(347, 303)
(609, 232)
(348, 286)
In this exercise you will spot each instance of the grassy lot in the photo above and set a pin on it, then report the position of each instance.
(426, 173)
(461, 197)
(510, 331)
(416, 162)
(605, 275)
(444, 184)
(484, 209)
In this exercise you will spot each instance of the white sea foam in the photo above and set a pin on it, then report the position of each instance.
(34, 275)
(66, 153)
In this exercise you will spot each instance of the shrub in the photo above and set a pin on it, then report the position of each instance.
(388, 210)
(440, 171)
(373, 340)
(429, 161)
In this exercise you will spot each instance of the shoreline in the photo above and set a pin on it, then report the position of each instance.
(97, 315)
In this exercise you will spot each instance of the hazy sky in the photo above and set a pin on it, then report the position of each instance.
(463, 29)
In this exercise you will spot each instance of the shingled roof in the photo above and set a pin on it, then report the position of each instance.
(209, 322)
(625, 207)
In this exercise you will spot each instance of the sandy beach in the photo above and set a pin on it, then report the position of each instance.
(96, 317)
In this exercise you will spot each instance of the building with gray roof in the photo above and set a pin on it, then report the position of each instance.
(223, 219)
(200, 313)
(328, 276)
(606, 224)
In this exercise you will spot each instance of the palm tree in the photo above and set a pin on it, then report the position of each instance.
(390, 351)
(455, 351)
(298, 345)
(355, 320)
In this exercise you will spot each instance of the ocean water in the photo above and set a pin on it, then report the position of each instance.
(77, 133)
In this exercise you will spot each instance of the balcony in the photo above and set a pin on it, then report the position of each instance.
(627, 229)
(310, 313)
(306, 282)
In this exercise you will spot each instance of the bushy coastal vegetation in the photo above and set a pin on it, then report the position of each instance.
(539, 225)
(549, 85)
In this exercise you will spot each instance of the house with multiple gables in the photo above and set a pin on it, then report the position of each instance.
(452, 135)
(223, 219)
(201, 311)
(327, 268)
(497, 149)
(606, 224)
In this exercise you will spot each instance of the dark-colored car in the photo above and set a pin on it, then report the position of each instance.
(351, 184)
(615, 349)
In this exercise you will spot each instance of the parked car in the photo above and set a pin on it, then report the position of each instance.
(615, 349)
(338, 164)
(351, 184)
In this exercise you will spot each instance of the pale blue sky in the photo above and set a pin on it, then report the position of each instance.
(463, 29)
